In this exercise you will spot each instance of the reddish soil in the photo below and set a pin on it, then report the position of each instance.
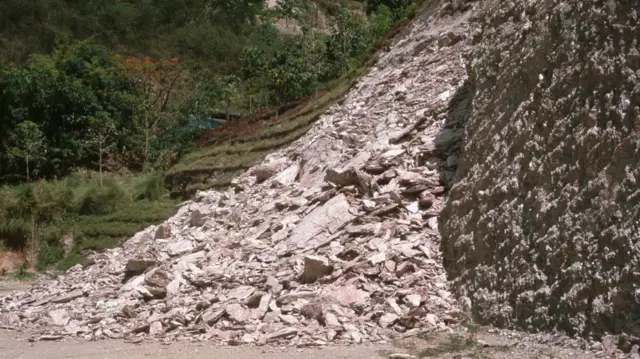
(11, 261)
(251, 124)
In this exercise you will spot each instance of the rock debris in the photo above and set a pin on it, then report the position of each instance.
(332, 240)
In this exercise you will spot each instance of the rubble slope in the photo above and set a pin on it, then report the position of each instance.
(333, 239)
(541, 229)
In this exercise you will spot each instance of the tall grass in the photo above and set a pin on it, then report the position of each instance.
(36, 216)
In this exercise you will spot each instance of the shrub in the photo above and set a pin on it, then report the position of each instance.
(105, 199)
(151, 187)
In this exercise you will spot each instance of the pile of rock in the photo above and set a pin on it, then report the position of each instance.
(334, 239)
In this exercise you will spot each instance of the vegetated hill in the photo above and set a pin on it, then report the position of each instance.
(541, 230)
(89, 117)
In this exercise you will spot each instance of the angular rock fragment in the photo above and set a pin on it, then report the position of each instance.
(137, 266)
(59, 317)
(156, 282)
(197, 219)
(68, 297)
(333, 215)
(163, 231)
(285, 333)
(155, 328)
(387, 319)
(212, 315)
(179, 247)
(315, 267)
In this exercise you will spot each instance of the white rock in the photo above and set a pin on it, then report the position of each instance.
(387, 319)
(413, 300)
(59, 317)
(180, 247)
(155, 328)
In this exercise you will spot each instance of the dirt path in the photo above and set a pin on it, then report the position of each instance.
(13, 348)
(9, 286)
(480, 345)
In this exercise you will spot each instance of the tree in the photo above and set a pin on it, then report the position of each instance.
(28, 143)
(315, 52)
(237, 12)
(156, 84)
(102, 129)
(229, 91)
(394, 5)
(288, 9)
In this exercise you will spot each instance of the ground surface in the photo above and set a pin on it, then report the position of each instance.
(480, 344)
(483, 345)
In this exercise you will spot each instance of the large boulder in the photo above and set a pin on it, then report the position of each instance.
(541, 230)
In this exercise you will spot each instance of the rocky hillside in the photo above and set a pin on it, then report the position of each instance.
(541, 230)
(334, 239)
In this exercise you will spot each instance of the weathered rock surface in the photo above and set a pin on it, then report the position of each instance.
(330, 240)
(542, 229)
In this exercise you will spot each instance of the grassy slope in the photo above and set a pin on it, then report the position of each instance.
(234, 148)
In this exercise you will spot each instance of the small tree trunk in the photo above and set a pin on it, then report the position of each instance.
(26, 160)
(32, 244)
(100, 164)
(146, 143)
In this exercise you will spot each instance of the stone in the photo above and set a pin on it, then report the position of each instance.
(378, 258)
(315, 267)
(313, 310)
(155, 328)
(179, 247)
(242, 293)
(432, 319)
(289, 319)
(342, 177)
(286, 177)
(212, 315)
(237, 313)
(413, 300)
(285, 333)
(156, 282)
(263, 306)
(163, 231)
(66, 298)
(137, 266)
(59, 317)
(266, 171)
(401, 356)
(391, 302)
(197, 219)
(332, 215)
(350, 296)
(387, 320)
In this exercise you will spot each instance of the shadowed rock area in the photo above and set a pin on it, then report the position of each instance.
(540, 231)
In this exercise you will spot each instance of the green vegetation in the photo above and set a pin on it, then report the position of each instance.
(98, 215)
(101, 104)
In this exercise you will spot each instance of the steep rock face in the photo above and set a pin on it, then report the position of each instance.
(541, 230)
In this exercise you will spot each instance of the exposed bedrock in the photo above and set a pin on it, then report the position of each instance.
(541, 229)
